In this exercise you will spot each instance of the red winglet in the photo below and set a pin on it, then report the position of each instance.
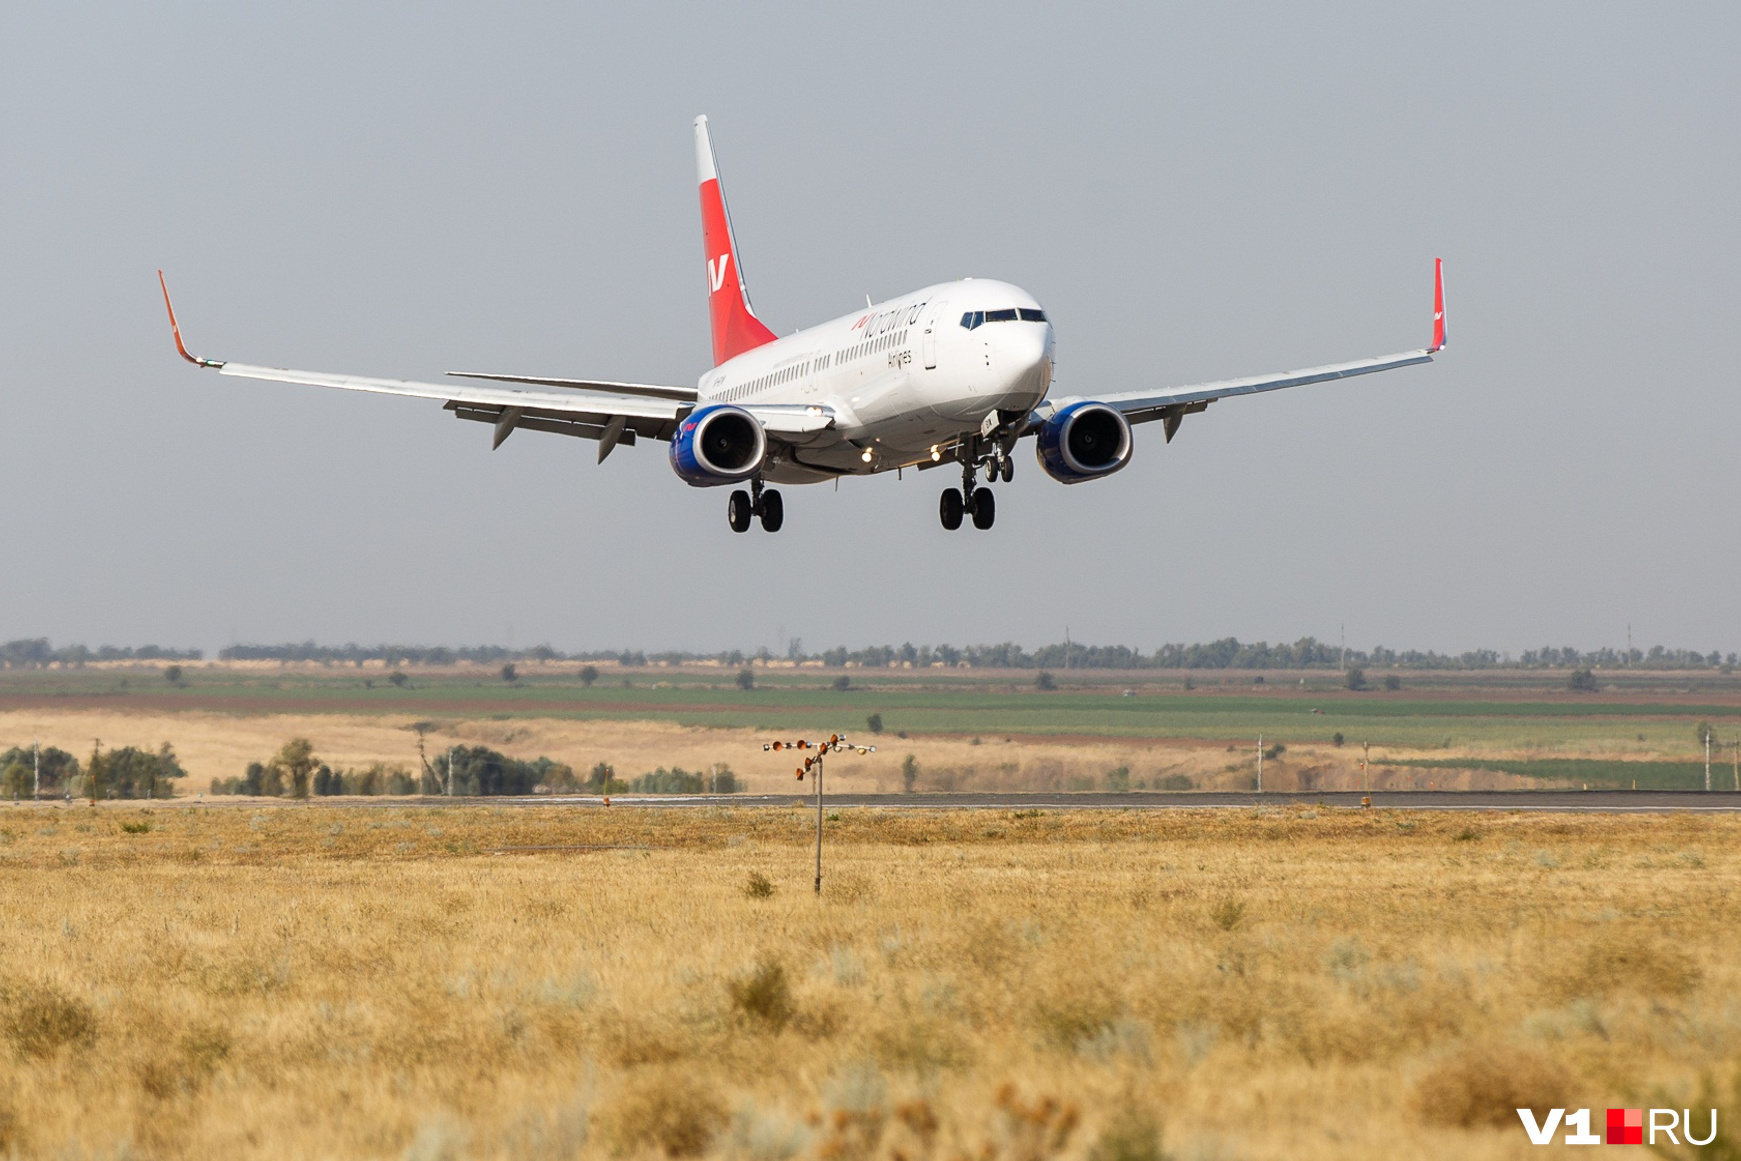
(175, 329)
(1438, 306)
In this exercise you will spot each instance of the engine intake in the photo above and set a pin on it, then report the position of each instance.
(1083, 441)
(718, 445)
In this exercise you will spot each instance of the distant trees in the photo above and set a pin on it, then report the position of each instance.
(59, 770)
(1045, 681)
(874, 723)
(1356, 679)
(909, 773)
(1392, 682)
(510, 674)
(603, 780)
(588, 675)
(1582, 681)
(842, 684)
(746, 678)
(476, 770)
(680, 781)
(133, 773)
(173, 675)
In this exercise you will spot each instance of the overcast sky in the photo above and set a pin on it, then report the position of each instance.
(1193, 194)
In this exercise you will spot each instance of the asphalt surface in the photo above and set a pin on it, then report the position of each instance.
(1565, 801)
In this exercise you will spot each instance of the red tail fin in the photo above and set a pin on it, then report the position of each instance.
(736, 328)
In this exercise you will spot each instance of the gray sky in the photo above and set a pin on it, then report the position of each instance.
(1193, 194)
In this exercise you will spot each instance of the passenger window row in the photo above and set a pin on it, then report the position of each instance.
(974, 319)
(785, 375)
(888, 341)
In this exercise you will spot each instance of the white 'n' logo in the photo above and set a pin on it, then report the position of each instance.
(716, 271)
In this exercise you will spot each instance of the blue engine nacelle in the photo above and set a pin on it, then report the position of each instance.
(1083, 441)
(718, 445)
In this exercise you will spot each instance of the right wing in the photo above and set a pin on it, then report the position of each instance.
(611, 418)
(1172, 404)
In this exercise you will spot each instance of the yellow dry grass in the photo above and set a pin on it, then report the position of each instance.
(317, 982)
(218, 745)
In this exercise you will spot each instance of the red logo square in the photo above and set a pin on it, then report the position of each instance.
(1625, 1126)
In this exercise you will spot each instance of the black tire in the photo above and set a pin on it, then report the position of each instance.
(773, 511)
(1009, 469)
(984, 508)
(991, 471)
(950, 508)
(737, 511)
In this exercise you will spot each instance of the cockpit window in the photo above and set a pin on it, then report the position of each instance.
(975, 318)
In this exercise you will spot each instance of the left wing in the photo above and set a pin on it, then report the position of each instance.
(610, 418)
(1172, 404)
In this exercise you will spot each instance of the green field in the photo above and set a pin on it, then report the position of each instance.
(1524, 719)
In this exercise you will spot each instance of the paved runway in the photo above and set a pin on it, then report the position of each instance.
(1588, 801)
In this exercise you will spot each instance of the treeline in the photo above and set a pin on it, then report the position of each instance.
(1227, 653)
(128, 772)
(36, 652)
(471, 771)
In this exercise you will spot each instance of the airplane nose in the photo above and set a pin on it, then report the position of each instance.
(1025, 357)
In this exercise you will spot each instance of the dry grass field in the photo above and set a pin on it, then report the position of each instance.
(220, 745)
(303, 981)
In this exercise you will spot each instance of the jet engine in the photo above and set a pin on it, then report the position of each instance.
(1083, 441)
(718, 445)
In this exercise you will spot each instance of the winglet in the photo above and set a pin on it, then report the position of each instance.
(1438, 306)
(175, 329)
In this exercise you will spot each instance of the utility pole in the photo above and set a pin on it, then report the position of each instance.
(1707, 759)
(36, 780)
(450, 771)
(1365, 761)
(1260, 763)
(835, 743)
(1066, 647)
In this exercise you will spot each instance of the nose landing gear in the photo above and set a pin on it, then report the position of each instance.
(745, 506)
(971, 500)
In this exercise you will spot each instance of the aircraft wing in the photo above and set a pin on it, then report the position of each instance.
(1172, 404)
(593, 412)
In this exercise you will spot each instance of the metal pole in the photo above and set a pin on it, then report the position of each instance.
(36, 780)
(1260, 763)
(819, 820)
(450, 771)
(1707, 759)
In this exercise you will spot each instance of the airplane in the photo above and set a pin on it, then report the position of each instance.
(952, 374)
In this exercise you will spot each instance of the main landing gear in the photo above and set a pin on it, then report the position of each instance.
(745, 506)
(977, 502)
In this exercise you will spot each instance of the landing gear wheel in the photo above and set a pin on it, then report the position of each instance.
(773, 511)
(984, 508)
(1009, 469)
(991, 471)
(950, 509)
(737, 511)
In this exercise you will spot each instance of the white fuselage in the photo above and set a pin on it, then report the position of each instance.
(900, 378)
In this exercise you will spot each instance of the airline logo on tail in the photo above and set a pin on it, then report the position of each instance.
(716, 271)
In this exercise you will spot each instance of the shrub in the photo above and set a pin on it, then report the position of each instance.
(1133, 1134)
(173, 675)
(588, 675)
(670, 1112)
(909, 773)
(1045, 681)
(1582, 681)
(398, 679)
(42, 1019)
(1336, 739)
(1356, 679)
(1119, 779)
(759, 886)
(763, 996)
(1392, 682)
(1228, 914)
(1176, 782)
(1487, 1084)
(874, 723)
(509, 673)
(842, 683)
